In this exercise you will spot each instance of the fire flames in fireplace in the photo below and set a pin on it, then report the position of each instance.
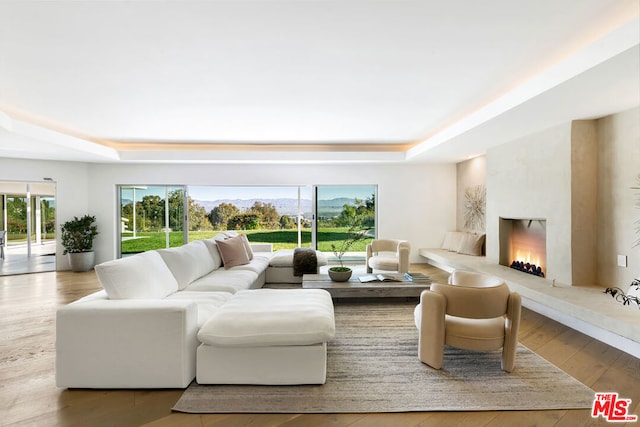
(527, 263)
(523, 244)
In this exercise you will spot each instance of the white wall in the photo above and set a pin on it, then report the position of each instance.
(72, 189)
(416, 202)
(531, 178)
(618, 169)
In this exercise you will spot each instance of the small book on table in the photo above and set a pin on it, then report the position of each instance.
(381, 278)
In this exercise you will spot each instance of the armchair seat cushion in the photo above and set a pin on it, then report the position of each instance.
(389, 255)
(384, 262)
(474, 334)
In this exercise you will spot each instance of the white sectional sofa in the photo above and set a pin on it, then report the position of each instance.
(141, 330)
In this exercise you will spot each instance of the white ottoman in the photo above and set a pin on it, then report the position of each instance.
(268, 337)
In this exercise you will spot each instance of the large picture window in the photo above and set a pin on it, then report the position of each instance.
(281, 215)
(153, 217)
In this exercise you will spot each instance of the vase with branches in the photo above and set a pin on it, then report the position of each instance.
(356, 232)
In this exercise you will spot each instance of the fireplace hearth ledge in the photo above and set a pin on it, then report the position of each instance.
(586, 309)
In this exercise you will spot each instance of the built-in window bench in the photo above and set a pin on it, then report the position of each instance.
(586, 309)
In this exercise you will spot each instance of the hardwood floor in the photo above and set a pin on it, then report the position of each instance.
(28, 395)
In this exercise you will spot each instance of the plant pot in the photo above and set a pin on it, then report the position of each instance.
(82, 261)
(340, 274)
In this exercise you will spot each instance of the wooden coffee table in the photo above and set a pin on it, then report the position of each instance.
(355, 289)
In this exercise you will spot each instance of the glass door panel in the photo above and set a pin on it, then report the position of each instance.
(151, 217)
(336, 206)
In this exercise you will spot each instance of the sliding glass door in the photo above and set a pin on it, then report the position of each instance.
(27, 215)
(337, 208)
(151, 217)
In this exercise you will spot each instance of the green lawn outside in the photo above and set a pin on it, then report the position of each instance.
(281, 239)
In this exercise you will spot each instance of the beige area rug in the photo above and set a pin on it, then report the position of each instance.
(373, 367)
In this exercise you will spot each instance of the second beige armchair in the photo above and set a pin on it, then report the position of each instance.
(388, 255)
(474, 312)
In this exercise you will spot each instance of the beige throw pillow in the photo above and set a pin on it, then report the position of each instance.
(247, 246)
(233, 252)
(472, 244)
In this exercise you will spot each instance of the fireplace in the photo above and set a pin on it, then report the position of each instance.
(523, 244)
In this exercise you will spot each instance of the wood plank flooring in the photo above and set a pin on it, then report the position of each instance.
(29, 397)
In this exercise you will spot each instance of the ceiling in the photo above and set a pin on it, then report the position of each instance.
(305, 81)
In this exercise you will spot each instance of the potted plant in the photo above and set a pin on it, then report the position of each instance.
(357, 231)
(77, 240)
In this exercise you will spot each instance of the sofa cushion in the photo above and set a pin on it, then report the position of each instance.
(258, 264)
(233, 252)
(208, 302)
(266, 317)
(188, 262)
(142, 276)
(213, 250)
(223, 280)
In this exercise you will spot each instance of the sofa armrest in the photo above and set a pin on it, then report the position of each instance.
(104, 343)
(262, 247)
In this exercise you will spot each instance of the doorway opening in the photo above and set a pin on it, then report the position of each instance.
(27, 227)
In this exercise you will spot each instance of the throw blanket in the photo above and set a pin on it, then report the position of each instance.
(305, 261)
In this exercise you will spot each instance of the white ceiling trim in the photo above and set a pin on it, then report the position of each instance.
(621, 39)
(25, 131)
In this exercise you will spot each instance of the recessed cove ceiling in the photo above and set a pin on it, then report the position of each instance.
(305, 81)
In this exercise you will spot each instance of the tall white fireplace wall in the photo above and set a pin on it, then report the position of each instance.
(548, 175)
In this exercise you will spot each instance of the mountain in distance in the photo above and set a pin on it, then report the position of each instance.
(283, 206)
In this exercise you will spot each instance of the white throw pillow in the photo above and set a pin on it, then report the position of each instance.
(188, 262)
(453, 240)
(142, 276)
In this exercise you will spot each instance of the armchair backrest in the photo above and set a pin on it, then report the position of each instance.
(471, 278)
(474, 302)
(387, 245)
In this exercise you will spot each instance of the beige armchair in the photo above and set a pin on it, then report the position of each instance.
(474, 312)
(388, 255)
